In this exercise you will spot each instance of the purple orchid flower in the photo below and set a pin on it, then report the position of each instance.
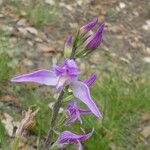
(95, 40)
(59, 77)
(85, 29)
(74, 112)
(68, 137)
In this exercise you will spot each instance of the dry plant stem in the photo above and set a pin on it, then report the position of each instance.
(56, 108)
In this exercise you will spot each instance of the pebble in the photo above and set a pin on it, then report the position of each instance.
(28, 62)
(50, 2)
(147, 25)
(1, 15)
(23, 31)
(146, 59)
(122, 5)
(22, 22)
(32, 30)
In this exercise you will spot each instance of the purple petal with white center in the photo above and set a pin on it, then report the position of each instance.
(95, 40)
(68, 137)
(81, 91)
(45, 77)
(90, 81)
(88, 27)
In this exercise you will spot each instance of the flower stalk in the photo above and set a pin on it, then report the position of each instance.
(65, 80)
(55, 111)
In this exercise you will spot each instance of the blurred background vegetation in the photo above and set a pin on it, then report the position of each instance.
(32, 35)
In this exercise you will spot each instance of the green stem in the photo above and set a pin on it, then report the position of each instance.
(15, 143)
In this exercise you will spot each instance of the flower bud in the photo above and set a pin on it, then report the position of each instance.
(68, 47)
(95, 40)
(85, 29)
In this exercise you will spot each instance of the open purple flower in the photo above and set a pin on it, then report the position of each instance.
(85, 29)
(59, 77)
(68, 137)
(95, 40)
(74, 112)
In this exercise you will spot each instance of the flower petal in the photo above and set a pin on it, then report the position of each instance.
(81, 91)
(72, 119)
(84, 111)
(79, 145)
(67, 137)
(86, 28)
(45, 77)
(95, 40)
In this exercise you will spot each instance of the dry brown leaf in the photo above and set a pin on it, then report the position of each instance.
(7, 98)
(146, 117)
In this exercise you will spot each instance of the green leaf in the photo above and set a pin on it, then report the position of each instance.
(3, 138)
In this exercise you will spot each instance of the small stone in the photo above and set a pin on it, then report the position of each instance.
(122, 5)
(38, 40)
(147, 50)
(147, 25)
(124, 59)
(1, 15)
(23, 31)
(129, 56)
(23, 13)
(50, 2)
(30, 43)
(32, 30)
(28, 62)
(146, 59)
(136, 13)
(22, 22)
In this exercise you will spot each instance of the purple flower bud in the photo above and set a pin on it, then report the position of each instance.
(95, 40)
(69, 41)
(88, 27)
(90, 81)
(68, 47)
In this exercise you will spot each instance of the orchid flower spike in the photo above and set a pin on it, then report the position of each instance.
(68, 137)
(60, 77)
(74, 112)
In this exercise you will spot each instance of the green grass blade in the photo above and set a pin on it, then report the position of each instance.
(3, 138)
